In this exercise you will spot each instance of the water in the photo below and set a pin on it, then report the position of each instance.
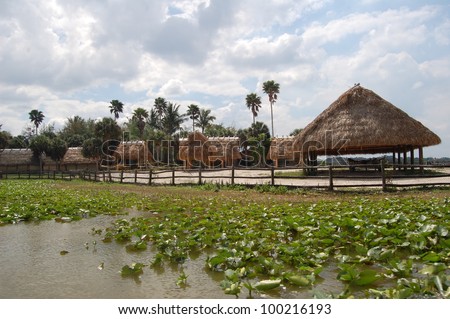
(32, 266)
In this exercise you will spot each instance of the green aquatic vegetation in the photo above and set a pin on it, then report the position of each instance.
(371, 241)
(23, 200)
(382, 248)
(133, 270)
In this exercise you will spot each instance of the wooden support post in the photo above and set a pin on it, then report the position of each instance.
(421, 159)
(383, 177)
(405, 159)
(393, 160)
(173, 176)
(150, 173)
(200, 175)
(412, 159)
(109, 175)
(135, 176)
(121, 176)
(104, 176)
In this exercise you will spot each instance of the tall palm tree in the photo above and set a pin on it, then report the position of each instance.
(37, 117)
(205, 119)
(160, 107)
(153, 120)
(116, 107)
(271, 88)
(193, 112)
(253, 102)
(172, 120)
(139, 116)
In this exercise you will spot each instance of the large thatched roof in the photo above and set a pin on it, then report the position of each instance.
(361, 122)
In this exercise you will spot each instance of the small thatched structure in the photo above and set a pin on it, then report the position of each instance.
(12, 160)
(134, 153)
(192, 150)
(225, 150)
(361, 122)
(281, 151)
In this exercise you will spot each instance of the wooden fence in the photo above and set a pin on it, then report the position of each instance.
(325, 177)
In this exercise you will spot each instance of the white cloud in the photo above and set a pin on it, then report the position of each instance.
(72, 57)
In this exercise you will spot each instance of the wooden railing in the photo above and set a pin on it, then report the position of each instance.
(326, 177)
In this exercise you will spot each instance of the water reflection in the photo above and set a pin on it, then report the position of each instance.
(32, 266)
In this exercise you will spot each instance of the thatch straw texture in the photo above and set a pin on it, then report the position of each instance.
(16, 157)
(192, 149)
(74, 156)
(223, 149)
(282, 149)
(361, 122)
(135, 152)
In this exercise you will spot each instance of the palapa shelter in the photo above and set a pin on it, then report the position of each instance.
(281, 151)
(361, 122)
(133, 153)
(192, 150)
(225, 150)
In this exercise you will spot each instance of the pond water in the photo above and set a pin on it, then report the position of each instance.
(33, 265)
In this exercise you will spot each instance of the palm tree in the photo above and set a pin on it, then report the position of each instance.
(271, 88)
(253, 102)
(139, 116)
(193, 112)
(160, 107)
(205, 119)
(37, 117)
(116, 107)
(172, 120)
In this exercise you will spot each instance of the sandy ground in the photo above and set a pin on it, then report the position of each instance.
(263, 176)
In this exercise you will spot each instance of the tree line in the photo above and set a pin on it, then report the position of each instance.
(161, 123)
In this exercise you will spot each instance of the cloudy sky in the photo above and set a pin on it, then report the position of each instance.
(69, 58)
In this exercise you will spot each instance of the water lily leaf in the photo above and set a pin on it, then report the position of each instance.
(431, 256)
(366, 277)
(133, 270)
(433, 269)
(265, 285)
(299, 280)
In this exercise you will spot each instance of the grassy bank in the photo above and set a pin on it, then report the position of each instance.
(393, 245)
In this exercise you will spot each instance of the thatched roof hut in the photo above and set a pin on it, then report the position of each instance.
(134, 153)
(22, 160)
(361, 122)
(282, 149)
(192, 149)
(226, 150)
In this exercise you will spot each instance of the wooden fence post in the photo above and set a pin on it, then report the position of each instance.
(232, 174)
(383, 177)
(272, 175)
(135, 176)
(150, 173)
(200, 175)
(104, 176)
(330, 177)
(121, 176)
(109, 175)
(173, 176)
